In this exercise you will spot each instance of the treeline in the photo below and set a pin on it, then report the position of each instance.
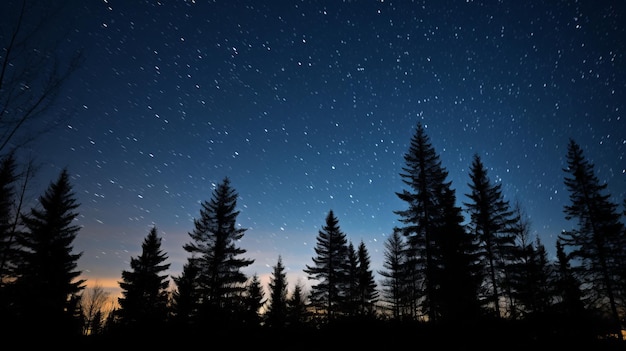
(484, 280)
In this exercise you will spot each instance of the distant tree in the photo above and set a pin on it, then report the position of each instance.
(395, 280)
(491, 219)
(569, 303)
(216, 254)
(329, 269)
(367, 288)
(144, 300)
(598, 243)
(48, 281)
(276, 314)
(253, 301)
(351, 302)
(297, 314)
(532, 279)
(186, 295)
(96, 304)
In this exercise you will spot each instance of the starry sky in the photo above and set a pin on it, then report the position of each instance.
(309, 106)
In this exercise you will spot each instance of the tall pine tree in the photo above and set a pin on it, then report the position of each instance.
(598, 242)
(439, 250)
(48, 278)
(276, 314)
(215, 252)
(368, 292)
(490, 222)
(395, 280)
(329, 269)
(144, 301)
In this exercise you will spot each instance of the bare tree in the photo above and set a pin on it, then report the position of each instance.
(96, 304)
(34, 65)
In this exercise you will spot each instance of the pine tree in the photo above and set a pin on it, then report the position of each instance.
(459, 276)
(48, 281)
(598, 242)
(215, 253)
(367, 288)
(491, 220)
(297, 314)
(351, 304)
(395, 278)
(253, 301)
(144, 301)
(329, 269)
(276, 314)
(438, 248)
(186, 296)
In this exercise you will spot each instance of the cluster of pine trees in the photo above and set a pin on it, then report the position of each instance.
(483, 279)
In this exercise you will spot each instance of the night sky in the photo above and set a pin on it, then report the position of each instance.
(309, 106)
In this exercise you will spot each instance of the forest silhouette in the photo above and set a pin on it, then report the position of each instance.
(484, 283)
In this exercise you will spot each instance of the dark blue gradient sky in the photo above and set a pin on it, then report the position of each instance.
(309, 106)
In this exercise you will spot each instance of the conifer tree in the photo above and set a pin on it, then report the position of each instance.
(186, 296)
(253, 301)
(351, 304)
(144, 301)
(598, 241)
(491, 219)
(395, 280)
(297, 314)
(438, 248)
(329, 269)
(276, 314)
(49, 283)
(216, 254)
(367, 288)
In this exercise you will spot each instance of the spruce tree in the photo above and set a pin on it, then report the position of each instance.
(297, 314)
(48, 282)
(438, 248)
(598, 241)
(352, 289)
(367, 288)
(186, 296)
(215, 252)
(329, 269)
(491, 219)
(253, 301)
(395, 278)
(144, 301)
(276, 314)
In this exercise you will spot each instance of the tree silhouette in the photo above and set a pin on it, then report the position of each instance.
(395, 280)
(32, 72)
(217, 257)
(253, 301)
(276, 314)
(297, 314)
(96, 304)
(48, 280)
(186, 296)
(144, 301)
(439, 250)
(490, 222)
(329, 269)
(367, 288)
(599, 241)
